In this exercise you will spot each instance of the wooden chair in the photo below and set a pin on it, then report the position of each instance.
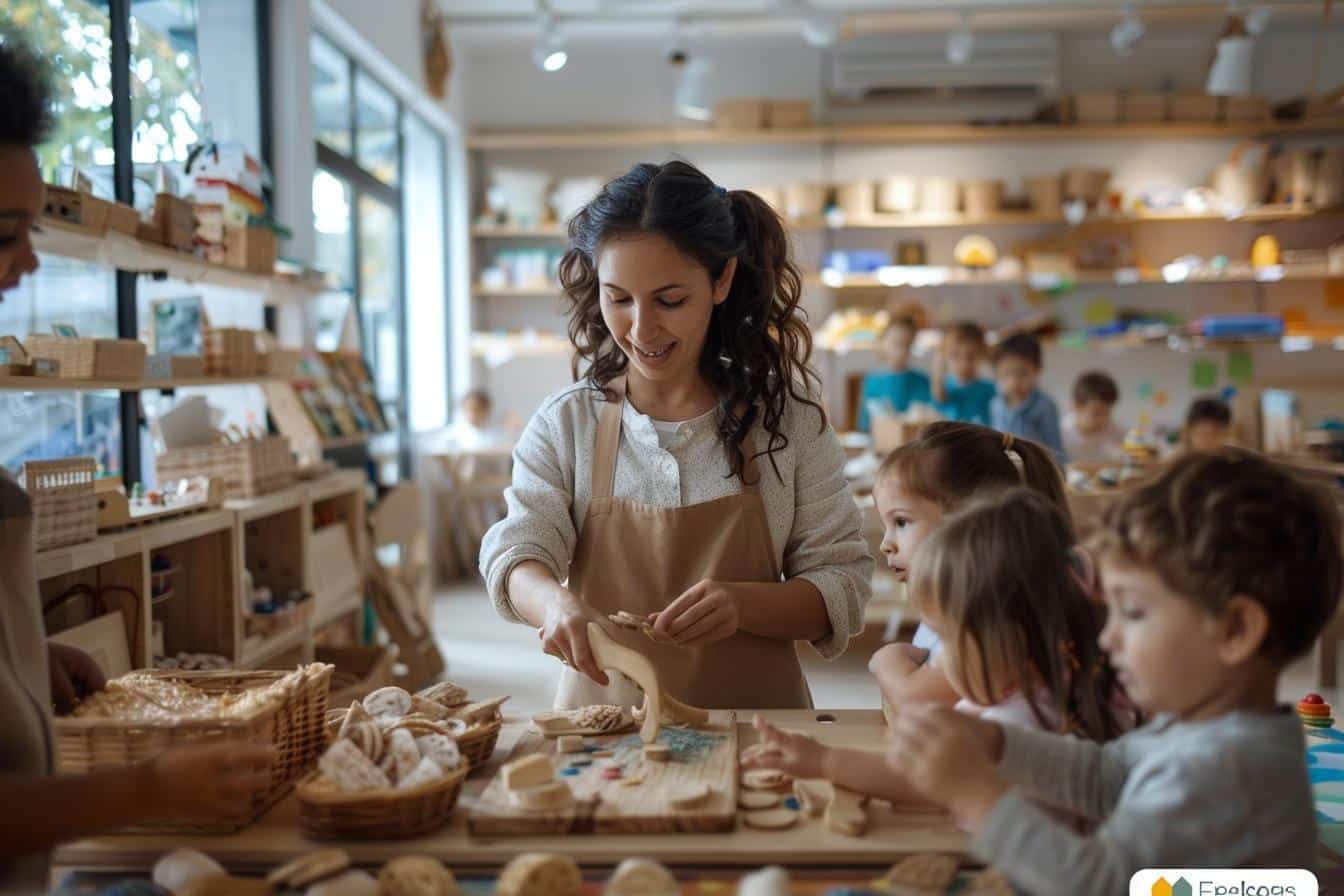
(401, 588)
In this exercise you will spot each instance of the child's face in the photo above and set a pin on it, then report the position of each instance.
(1016, 377)
(1163, 646)
(907, 520)
(1206, 435)
(1092, 416)
(477, 412)
(896, 346)
(962, 662)
(963, 360)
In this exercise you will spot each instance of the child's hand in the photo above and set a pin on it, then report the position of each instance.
(896, 661)
(215, 781)
(795, 754)
(946, 758)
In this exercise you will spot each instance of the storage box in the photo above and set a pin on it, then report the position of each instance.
(251, 249)
(1046, 193)
(805, 200)
(77, 209)
(1244, 109)
(249, 469)
(940, 196)
(1102, 107)
(1193, 106)
(789, 113)
(856, 200)
(982, 198)
(87, 359)
(174, 222)
(230, 351)
(169, 367)
(1144, 106)
(122, 218)
(740, 114)
(65, 505)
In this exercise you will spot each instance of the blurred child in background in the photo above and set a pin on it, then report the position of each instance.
(958, 391)
(1020, 407)
(900, 385)
(1090, 431)
(1208, 425)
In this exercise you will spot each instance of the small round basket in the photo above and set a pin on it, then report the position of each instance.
(329, 813)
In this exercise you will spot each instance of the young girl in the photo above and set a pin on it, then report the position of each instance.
(997, 582)
(917, 486)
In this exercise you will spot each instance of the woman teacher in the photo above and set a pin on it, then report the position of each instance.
(690, 475)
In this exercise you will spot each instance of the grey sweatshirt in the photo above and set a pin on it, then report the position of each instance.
(1230, 792)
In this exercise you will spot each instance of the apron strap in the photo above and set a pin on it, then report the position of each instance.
(608, 442)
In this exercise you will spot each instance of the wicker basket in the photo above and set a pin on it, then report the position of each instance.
(294, 729)
(65, 504)
(230, 351)
(479, 745)
(249, 469)
(360, 670)
(86, 359)
(328, 813)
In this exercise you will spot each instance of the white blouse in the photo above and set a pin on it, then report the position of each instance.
(814, 522)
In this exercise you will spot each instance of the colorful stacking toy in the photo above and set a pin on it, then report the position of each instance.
(1315, 712)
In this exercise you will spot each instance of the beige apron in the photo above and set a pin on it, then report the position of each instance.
(640, 558)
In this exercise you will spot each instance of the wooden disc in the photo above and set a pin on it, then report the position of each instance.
(771, 819)
(765, 779)
(689, 796)
(758, 799)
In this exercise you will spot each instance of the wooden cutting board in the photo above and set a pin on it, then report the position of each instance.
(601, 806)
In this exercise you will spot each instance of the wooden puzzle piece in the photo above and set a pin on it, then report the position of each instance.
(634, 665)
(847, 813)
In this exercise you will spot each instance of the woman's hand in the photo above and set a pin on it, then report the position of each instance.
(74, 676)
(949, 757)
(708, 612)
(215, 781)
(795, 754)
(564, 633)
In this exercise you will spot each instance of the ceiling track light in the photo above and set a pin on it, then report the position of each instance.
(961, 42)
(1127, 33)
(549, 53)
(693, 99)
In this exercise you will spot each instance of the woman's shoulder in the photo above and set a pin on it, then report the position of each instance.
(574, 404)
(804, 415)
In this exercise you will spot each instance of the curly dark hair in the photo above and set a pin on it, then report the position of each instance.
(758, 349)
(25, 92)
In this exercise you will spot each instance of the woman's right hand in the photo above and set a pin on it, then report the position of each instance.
(212, 782)
(564, 633)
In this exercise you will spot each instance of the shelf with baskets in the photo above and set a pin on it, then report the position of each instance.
(70, 384)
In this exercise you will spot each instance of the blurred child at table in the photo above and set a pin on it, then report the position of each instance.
(1218, 573)
(1020, 407)
(1090, 431)
(917, 486)
(475, 428)
(46, 808)
(958, 391)
(1208, 425)
(899, 385)
(1019, 630)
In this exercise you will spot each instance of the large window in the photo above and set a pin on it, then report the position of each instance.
(192, 72)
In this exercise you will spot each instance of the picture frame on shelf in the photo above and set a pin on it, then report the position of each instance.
(177, 326)
(65, 331)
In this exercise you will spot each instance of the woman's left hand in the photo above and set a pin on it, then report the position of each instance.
(708, 612)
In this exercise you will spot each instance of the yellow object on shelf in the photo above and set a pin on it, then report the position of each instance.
(1265, 252)
(975, 251)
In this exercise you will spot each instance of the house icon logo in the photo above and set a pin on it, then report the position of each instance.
(1223, 882)
(1181, 887)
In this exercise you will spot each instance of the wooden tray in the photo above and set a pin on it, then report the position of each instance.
(612, 807)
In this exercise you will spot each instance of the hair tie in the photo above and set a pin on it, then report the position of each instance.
(1013, 457)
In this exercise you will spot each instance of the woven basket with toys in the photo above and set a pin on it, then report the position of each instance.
(396, 762)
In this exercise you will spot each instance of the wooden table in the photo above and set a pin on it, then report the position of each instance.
(276, 838)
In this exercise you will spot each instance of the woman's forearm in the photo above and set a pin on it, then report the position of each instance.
(59, 808)
(531, 587)
(788, 611)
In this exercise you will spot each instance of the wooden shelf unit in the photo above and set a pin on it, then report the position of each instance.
(524, 292)
(64, 384)
(598, 138)
(269, 536)
(948, 276)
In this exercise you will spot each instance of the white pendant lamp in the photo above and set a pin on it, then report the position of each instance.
(1230, 74)
(693, 99)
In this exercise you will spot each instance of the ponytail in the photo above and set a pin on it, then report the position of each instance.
(758, 349)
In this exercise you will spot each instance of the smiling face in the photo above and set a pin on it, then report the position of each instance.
(657, 303)
(907, 521)
(21, 198)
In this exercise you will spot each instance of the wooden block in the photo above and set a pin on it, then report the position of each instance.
(657, 752)
(569, 743)
(530, 771)
(544, 797)
(771, 819)
(813, 796)
(846, 813)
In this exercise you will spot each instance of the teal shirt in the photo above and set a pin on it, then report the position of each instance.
(901, 388)
(968, 402)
